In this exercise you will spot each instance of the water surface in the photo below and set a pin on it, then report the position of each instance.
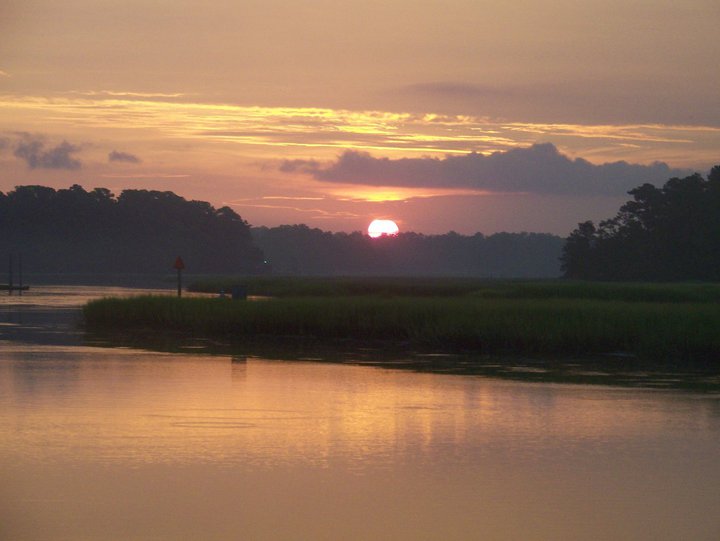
(124, 443)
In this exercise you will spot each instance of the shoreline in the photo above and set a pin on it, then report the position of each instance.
(615, 370)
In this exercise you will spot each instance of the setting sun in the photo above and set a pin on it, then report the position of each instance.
(379, 228)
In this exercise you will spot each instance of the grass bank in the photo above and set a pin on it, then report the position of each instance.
(461, 287)
(679, 330)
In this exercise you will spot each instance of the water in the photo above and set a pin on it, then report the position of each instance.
(122, 443)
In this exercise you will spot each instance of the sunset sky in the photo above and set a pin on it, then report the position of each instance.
(461, 115)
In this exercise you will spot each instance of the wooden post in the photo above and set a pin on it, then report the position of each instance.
(10, 276)
(179, 265)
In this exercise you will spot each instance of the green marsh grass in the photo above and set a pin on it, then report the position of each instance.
(477, 322)
(287, 286)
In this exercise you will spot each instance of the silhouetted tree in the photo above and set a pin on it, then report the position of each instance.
(141, 231)
(298, 249)
(668, 233)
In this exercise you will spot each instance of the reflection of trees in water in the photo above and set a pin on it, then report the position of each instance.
(238, 367)
(713, 407)
(47, 326)
(33, 372)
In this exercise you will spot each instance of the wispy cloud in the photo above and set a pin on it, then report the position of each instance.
(298, 131)
(290, 198)
(116, 156)
(4, 74)
(34, 152)
(453, 89)
(312, 213)
(540, 169)
(120, 94)
(147, 176)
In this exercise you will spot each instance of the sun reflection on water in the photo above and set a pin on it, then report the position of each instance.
(123, 443)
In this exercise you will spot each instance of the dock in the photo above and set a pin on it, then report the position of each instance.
(10, 286)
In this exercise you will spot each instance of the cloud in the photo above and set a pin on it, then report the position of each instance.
(32, 150)
(115, 94)
(539, 169)
(116, 156)
(4, 74)
(286, 131)
(312, 167)
(449, 89)
(149, 175)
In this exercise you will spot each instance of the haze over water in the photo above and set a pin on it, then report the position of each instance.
(119, 443)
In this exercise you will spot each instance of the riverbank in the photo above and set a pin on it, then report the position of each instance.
(311, 286)
(504, 318)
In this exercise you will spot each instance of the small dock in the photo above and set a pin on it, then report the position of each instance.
(10, 286)
(6, 287)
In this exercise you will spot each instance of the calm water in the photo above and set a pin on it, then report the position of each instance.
(121, 443)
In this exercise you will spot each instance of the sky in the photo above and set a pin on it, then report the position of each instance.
(454, 115)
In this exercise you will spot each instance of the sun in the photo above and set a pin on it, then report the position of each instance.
(382, 228)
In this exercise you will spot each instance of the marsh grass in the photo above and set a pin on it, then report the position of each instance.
(287, 286)
(460, 287)
(678, 330)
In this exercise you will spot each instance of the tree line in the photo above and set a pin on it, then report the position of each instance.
(301, 250)
(670, 233)
(95, 232)
(140, 231)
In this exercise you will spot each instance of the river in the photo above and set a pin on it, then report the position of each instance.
(120, 443)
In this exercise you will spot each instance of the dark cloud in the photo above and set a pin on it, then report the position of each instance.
(305, 166)
(575, 101)
(33, 151)
(116, 156)
(446, 90)
(539, 169)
